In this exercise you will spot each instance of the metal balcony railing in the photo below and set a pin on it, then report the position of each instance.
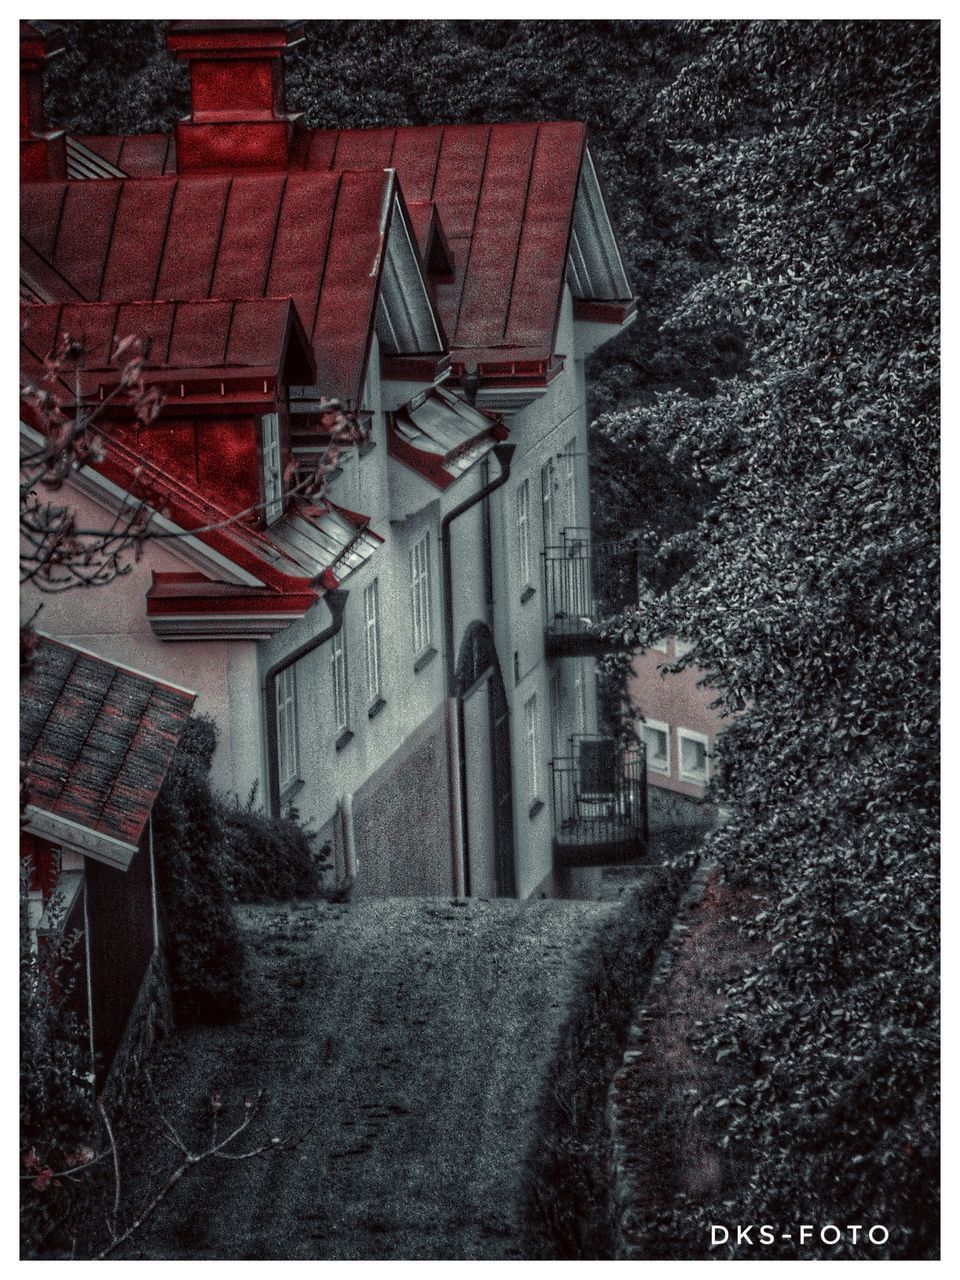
(600, 803)
(568, 592)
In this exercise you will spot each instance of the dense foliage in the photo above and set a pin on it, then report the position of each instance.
(56, 1095)
(211, 852)
(813, 600)
(268, 857)
(204, 947)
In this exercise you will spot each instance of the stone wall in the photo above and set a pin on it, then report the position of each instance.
(402, 820)
(150, 1020)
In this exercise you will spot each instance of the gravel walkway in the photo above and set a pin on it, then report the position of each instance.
(414, 1035)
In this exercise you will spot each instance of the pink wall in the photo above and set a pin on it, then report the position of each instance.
(675, 703)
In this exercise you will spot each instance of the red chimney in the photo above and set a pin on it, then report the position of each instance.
(237, 118)
(42, 151)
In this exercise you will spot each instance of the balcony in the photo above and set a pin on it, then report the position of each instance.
(571, 627)
(599, 804)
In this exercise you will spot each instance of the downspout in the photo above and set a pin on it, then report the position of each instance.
(503, 452)
(336, 603)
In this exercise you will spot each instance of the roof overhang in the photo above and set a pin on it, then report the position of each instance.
(92, 844)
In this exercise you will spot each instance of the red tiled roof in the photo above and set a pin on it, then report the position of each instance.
(96, 739)
(219, 338)
(505, 195)
(316, 237)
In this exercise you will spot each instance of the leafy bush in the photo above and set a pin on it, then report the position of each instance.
(567, 1202)
(205, 950)
(56, 1093)
(268, 857)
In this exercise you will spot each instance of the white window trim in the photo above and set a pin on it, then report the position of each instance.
(692, 735)
(288, 737)
(659, 726)
(371, 630)
(532, 746)
(420, 593)
(547, 503)
(272, 470)
(570, 483)
(341, 692)
(523, 532)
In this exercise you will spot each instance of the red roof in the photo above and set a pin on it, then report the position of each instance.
(505, 195)
(247, 336)
(315, 237)
(96, 740)
(442, 436)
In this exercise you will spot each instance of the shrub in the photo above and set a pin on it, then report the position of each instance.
(268, 857)
(55, 1091)
(205, 951)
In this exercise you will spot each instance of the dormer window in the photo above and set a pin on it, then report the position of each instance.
(272, 470)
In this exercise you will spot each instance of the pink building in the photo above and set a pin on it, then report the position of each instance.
(675, 722)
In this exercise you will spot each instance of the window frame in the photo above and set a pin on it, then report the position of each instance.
(272, 467)
(523, 532)
(372, 642)
(656, 726)
(702, 739)
(531, 744)
(421, 595)
(286, 714)
(570, 483)
(547, 503)
(341, 688)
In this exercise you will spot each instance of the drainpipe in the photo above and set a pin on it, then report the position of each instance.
(503, 451)
(336, 603)
(349, 839)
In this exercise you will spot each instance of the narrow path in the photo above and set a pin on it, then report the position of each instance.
(413, 1034)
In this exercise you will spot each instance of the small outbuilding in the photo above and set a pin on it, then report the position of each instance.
(96, 740)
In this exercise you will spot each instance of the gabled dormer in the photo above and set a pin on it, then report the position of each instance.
(603, 301)
(413, 347)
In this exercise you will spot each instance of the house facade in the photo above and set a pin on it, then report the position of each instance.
(407, 659)
(678, 726)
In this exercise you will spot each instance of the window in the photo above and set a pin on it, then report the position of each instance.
(694, 763)
(556, 711)
(656, 738)
(371, 627)
(659, 645)
(420, 593)
(546, 498)
(530, 736)
(570, 482)
(288, 742)
(338, 667)
(682, 646)
(523, 532)
(272, 472)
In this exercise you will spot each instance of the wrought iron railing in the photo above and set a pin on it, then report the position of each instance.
(568, 583)
(600, 795)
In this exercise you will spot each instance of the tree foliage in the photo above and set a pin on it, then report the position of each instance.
(813, 600)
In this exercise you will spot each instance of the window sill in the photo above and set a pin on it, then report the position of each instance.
(536, 807)
(425, 659)
(375, 708)
(345, 738)
(527, 593)
(293, 787)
